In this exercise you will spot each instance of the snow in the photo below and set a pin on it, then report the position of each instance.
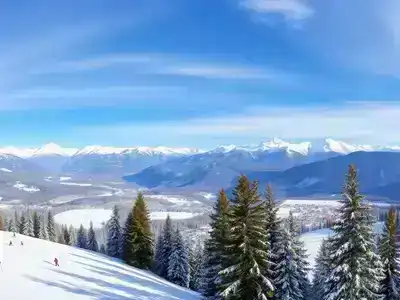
(104, 150)
(23, 187)
(171, 199)
(311, 202)
(208, 196)
(28, 273)
(76, 217)
(64, 178)
(76, 183)
(5, 170)
(175, 215)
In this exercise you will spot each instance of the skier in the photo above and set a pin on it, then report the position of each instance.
(56, 262)
(14, 234)
(10, 244)
(22, 243)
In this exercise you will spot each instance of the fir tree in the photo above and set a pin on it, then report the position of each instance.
(389, 251)
(29, 224)
(321, 271)
(60, 237)
(178, 268)
(92, 241)
(72, 235)
(43, 230)
(16, 222)
(164, 249)
(196, 262)
(247, 246)
(114, 235)
(36, 225)
(2, 226)
(127, 250)
(67, 237)
(51, 231)
(11, 225)
(214, 247)
(81, 240)
(23, 224)
(286, 273)
(142, 237)
(355, 269)
(103, 249)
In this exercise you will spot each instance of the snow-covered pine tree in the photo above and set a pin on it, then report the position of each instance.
(178, 268)
(43, 230)
(355, 268)
(300, 258)
(286, 275)
(127, 249)
(114, 235)
(23, 224)
(2, 226)
(157, 261)
(51, 230)
(389, 249)
(11, 225)
(142, 242)
(92, 241)
(103, 249)
(81, 240)
(60, 236)
(16, 222)
(215, 248)
(29, 224)
(166, 248)
(247, 246)
(36, 224)
(72, 235)
(321, 271)
(273, 224)
(196, 262)
(65, 233)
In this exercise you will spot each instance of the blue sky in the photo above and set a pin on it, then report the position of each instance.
(198, 73)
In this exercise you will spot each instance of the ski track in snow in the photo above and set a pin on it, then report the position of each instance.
(28, 272)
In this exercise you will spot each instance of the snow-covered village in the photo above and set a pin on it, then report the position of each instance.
(199, 150)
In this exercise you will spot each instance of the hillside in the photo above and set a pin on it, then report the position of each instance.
(28, 272)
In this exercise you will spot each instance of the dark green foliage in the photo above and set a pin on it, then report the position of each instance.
(23, 223)
(247, 246)
(81, 240)
(36, 224)
(91, 240)
(51, 231)
(127, 253)
(66, 235)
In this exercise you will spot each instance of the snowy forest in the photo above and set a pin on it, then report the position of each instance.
(250, 252)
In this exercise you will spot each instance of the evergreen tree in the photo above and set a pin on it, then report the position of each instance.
(36, 225)
(247, 246)
(286, 273)
(67, 237)
(103, 249)
(23, 224)
(92, 241)
(16, 222)
(164, 249)
(43, 230)
(178, 268)
(355, 269)
(11, 225)
(2, 226)
(81, 240)
(127, 250)
(114, 235)
(29, 224)
(142, 237)
(196, 262)
(214, 247)
(321, 271)
(51, 230)
(72, 235)
(60, 237)
(389, 251)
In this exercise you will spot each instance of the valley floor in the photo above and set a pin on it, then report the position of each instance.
(28, 272)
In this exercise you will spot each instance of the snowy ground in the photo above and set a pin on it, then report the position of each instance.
(28, 273)
(76, 217)
(162, 215)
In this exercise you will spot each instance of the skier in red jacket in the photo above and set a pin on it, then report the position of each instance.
(56, 262)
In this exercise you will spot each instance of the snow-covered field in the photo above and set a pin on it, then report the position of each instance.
(162, 215)
(75, 183)
(76, 217)
(28, 273)
(5, 170)
(333, 203)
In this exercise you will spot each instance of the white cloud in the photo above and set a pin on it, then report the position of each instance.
(360, 122)
(290, 9)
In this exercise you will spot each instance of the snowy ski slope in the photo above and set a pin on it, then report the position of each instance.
(28, 272)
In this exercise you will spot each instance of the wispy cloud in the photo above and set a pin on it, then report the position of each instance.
(167, 64)
(361, 122)
(290, 9)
